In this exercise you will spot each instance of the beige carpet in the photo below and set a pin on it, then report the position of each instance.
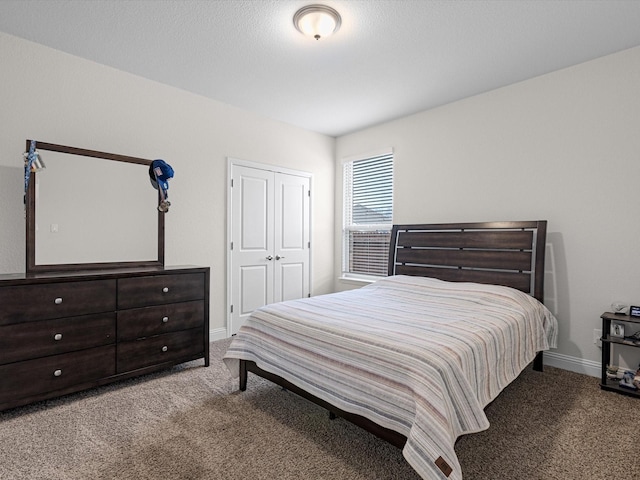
(191, 423)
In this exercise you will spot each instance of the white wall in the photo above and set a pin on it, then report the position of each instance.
(54, 97)
(12, 227)
(563, 147)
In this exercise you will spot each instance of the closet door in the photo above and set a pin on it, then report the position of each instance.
(252, 256)
(270, 234)
(291, 241)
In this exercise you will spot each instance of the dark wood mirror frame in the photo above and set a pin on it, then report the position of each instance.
(32, 267)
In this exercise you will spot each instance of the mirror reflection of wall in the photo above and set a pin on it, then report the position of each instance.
(92, 210)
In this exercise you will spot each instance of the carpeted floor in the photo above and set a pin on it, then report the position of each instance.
(192, 423)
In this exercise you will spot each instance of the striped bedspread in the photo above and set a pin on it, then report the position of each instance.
(420, 356)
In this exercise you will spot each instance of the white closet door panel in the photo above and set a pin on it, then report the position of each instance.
(291, 237)
(254, 280)
(292, 217)
(255, 226)
(292, 281)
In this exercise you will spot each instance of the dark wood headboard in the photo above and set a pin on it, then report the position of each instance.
(499, 253)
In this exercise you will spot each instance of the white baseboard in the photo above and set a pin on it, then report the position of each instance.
(217, 334)
(573, 364)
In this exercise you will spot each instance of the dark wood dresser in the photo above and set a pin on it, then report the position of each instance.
(65, 332)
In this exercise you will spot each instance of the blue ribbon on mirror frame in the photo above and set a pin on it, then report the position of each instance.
(32, 163)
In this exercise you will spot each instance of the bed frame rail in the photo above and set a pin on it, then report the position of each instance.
(394, 438)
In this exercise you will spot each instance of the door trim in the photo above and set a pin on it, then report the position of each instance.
(231, 161)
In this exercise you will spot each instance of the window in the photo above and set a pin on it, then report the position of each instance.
(368, 210)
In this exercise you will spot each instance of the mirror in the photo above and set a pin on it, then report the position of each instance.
(92, 210)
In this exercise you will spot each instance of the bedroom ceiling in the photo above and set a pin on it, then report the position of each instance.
(389, 59)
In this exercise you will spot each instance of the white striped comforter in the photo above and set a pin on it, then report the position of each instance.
(416, 355)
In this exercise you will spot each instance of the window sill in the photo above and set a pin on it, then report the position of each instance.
(359, 279)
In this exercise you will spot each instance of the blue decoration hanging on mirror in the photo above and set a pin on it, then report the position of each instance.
(159, 173)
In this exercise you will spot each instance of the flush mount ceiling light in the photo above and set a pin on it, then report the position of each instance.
(317, 21)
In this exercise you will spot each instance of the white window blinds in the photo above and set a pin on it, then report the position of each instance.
(368, 201)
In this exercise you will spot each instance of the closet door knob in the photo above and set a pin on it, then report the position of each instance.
(269, 257)
(57, 336)
(278, 257)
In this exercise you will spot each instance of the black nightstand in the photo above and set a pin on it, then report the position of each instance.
(607, 340)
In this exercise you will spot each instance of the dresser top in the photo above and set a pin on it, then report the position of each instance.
(34, 278)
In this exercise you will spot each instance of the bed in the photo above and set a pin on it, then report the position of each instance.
(415, 357)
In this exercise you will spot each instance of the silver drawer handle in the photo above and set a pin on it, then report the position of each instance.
(165, 319)
(57, 336)
(58, 301)
(165, 289)
(57, 373)
(165, 348)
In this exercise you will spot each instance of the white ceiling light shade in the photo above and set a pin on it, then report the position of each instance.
(317, 21)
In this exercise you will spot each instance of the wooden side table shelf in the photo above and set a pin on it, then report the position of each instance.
(607, 340)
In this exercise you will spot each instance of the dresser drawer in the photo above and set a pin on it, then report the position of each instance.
(48, 374)
(26, 303)
(159, 289)
(148, 321)
(168, 347)
(23, 341)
